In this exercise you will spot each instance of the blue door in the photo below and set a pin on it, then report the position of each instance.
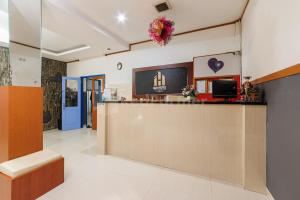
(71, 103)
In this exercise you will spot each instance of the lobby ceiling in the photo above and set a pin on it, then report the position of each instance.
(94, 26)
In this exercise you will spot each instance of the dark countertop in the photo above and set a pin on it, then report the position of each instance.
(188, 102)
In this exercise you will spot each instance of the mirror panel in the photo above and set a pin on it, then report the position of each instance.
(5, 77)
(25, 42)
(4, 33)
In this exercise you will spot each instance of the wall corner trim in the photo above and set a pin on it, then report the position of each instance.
(244, 11)
(293, 70)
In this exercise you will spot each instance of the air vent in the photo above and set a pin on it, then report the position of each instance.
(163, 6)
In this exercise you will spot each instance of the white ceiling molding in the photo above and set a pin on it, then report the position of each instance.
(64, 52)
(67, 7)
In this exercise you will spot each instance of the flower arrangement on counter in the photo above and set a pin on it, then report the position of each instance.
(161, 30)
(189, 92)
(251, 93)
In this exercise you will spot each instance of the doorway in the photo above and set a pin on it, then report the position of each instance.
(92, 90)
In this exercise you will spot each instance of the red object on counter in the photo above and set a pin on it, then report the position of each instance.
(207, 96)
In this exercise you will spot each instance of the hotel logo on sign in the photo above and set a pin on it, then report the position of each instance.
(159, 84)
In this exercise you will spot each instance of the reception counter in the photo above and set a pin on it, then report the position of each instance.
(222, 141)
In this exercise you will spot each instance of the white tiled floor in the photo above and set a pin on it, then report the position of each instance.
(89, 176)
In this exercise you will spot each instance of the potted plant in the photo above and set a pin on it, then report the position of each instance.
(189, 92)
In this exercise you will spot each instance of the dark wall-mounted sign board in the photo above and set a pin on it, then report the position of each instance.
(161, 80)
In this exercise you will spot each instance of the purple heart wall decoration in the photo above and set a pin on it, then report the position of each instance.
(215, 64)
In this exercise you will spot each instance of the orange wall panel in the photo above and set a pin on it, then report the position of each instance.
(22, 129)
(4, 125)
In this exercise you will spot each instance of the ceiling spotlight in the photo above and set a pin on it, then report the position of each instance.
(121, 18)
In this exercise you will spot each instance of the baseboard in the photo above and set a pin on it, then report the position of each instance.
(269, 195)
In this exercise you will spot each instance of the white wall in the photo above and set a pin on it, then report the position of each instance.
(271, 32)
(232, 65)
(181, 49)
(25, 65)
(25, 27)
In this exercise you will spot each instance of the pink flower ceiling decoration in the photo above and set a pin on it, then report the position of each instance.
(161, 30)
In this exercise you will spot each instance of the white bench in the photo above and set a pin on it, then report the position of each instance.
(31, 176)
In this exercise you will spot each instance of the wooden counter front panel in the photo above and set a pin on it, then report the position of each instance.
(255, 148)
(206, 140)
(22, 126)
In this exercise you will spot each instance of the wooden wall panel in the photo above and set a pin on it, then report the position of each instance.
(290, 71)
(4, 125)
(22, 129)
(5, 189)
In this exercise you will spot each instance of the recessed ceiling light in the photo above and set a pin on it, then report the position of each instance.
(121, 18)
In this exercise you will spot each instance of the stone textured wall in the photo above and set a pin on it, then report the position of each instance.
(5, 78)
(52, 71)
